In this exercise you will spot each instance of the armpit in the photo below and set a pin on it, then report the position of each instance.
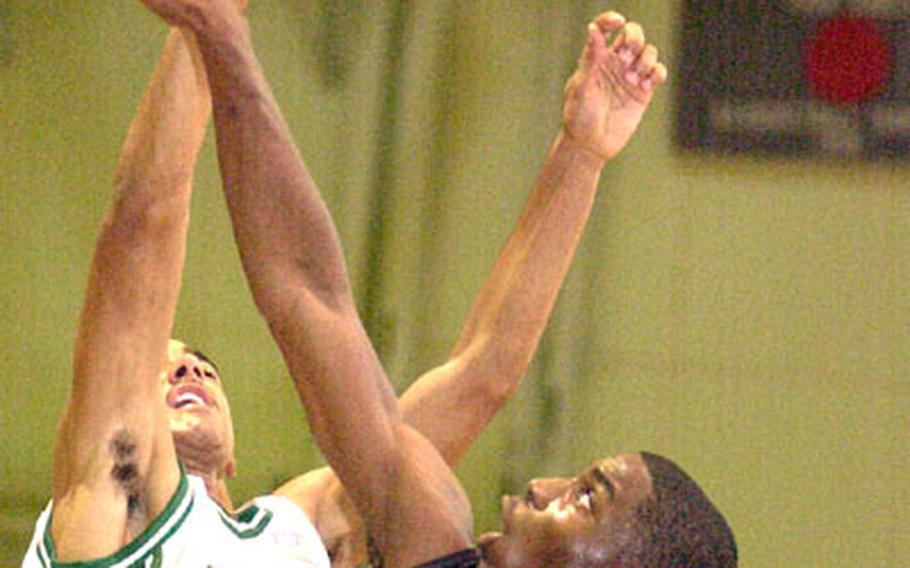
(125, 471)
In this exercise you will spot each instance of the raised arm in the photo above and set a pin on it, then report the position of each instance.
(604, 102)
(114, 464)
(413, 506)
(454, 402)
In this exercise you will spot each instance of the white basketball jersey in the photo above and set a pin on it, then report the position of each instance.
(195, 532)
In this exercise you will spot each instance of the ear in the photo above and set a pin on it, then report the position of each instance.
(230, 469)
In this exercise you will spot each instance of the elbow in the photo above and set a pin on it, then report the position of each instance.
(288, 302)
(274, 300)
(147, 209)
(498, 366)
(501, 391)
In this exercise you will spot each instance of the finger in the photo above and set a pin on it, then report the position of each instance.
(657, 78)
(609, 22)
(645, 63)
(660, 74)
(630, 41)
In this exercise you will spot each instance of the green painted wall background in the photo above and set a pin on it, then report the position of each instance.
(747, 317)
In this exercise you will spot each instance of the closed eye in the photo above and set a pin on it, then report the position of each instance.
(603, 480)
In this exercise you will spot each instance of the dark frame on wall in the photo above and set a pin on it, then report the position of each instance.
(794, 77)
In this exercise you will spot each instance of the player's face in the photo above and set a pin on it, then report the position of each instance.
(198, 410)
(570, 521)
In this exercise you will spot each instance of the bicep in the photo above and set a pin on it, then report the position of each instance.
(114, 463)
(342, 387)
(114, 427)
(395, 477)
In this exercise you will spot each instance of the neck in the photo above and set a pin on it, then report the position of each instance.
(215, 486)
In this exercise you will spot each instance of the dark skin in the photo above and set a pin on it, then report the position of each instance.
(579, 521)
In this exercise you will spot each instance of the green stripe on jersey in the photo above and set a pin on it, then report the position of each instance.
(150, 539)
(248, 523)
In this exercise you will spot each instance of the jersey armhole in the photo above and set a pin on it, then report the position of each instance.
(149, 540)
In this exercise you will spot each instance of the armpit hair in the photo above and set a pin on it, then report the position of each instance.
(125, 470)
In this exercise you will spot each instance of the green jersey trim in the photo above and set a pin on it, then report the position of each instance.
(156, 534)
(247, 523)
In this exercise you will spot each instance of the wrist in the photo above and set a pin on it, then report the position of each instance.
(583, 154)
(220, 24)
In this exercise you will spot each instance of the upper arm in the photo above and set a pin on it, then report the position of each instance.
(453, 403)
(407, 494)
(342, 387)
(113, 448)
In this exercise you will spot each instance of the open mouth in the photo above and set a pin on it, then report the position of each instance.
(189, 397)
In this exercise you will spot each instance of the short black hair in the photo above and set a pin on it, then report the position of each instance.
(203, 357)
(200, 355)
(677, 526)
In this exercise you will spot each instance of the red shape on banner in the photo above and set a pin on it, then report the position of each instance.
(848, 60)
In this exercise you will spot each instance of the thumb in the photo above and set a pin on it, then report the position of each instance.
(594, 51)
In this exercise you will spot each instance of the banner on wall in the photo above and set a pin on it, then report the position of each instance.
(795, 77)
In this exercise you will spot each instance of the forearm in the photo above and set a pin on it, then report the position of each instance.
(293, 261)
(156, 162)
(454, 403)
(517, 298)
(142, 240)
(140, 248)
(604, 102)
(288, 244)
(283, 230)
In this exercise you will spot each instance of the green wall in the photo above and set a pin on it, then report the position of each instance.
(746, 317)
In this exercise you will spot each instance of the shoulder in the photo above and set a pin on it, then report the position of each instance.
(321, 497)
(278, 506)
(309, 491)
(145, 546)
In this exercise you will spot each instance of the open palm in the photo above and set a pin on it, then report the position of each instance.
(608, 94)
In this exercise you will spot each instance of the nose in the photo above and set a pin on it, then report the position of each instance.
(543, 491)
(185, 369)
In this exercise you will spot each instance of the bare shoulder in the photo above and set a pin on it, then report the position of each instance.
(323, 499)
(101, 505)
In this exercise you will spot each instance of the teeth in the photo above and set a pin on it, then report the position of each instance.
(188, 398)
(560, 510)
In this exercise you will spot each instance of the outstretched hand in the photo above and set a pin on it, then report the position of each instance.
(609, 92)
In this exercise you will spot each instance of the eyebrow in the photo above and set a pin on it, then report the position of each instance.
(602, 479)
(203, 357)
